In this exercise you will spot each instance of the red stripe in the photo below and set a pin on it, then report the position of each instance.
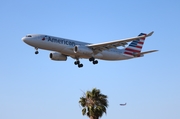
(132, 50)
(135, 55)
(142, 38)
(128, 53)
(141, 43)
(138, 46)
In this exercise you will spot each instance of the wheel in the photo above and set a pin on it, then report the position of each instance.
(75, 63)
(78, 62)
(95, 62)
(91, 59)
(36, 52)
(80, 65)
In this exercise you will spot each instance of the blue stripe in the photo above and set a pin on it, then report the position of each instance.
(141, 34)
(136, 40)
(132, 44)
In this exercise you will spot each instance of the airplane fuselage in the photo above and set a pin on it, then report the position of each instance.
(66, 47)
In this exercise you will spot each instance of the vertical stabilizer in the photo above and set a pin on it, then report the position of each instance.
(135, 46)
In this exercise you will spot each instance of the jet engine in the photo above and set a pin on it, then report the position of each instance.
(82, 50)
(57, 56)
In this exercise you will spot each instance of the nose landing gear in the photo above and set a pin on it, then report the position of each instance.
(36, 52)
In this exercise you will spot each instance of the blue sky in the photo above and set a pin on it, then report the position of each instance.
(34, 87)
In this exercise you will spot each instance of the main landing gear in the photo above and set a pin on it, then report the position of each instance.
(93, 60)
(36, 52)
(77, 62)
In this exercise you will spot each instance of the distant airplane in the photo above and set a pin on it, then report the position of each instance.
(75, 49)
(123, 104)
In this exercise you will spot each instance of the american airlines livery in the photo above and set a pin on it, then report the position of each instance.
(63, 48)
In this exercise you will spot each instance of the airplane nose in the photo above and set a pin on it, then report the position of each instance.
(24, 39)
(29, 40)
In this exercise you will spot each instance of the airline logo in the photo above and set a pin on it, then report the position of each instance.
(135, 46)
(43, 39)
(59, 40)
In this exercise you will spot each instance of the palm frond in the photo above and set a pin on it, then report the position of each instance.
(83, 111)
(94, 103)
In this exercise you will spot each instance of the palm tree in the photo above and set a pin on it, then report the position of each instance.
(94, 103)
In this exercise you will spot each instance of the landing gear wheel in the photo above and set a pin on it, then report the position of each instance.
(91, 59)
(36, 52)
(95, 62)
(80, 65)
(77, 62)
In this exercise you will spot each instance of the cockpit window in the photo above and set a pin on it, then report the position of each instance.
(28, 36)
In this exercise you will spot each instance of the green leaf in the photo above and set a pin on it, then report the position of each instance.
(83, 111)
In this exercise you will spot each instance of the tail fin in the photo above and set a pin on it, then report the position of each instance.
(135, 46)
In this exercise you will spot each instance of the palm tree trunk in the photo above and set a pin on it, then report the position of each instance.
(91, 117)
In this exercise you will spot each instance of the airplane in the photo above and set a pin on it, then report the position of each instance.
(63, 48)
(123, 104)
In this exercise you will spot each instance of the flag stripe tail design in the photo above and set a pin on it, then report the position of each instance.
(134, 48)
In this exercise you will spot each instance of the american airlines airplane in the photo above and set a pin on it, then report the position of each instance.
(64, 48)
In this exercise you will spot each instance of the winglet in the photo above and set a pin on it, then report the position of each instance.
(150, 34)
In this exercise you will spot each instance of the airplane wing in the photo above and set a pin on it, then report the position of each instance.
(113, 44)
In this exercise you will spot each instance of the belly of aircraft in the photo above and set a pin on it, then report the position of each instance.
(112, 56)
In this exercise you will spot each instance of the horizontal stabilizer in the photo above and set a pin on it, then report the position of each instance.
(142, 53)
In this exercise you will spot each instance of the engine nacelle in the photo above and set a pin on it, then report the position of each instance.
(82, 50)
(57, 56)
